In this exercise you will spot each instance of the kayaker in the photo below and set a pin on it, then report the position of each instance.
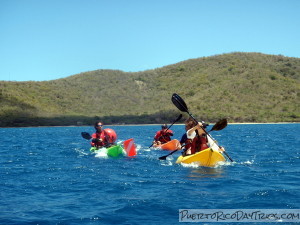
(102, 138)
(196, 138)
(163, 136)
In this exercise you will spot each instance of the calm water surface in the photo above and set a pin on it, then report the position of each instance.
(48, 176)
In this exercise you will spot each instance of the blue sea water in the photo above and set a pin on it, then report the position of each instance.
(48, 176)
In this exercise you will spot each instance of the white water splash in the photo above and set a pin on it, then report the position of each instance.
(167, 163)
(80, 151)
(197, 165)
(101, 153)
(247, 162)
(191, 165)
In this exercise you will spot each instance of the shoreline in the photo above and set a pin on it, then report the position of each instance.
(209, 124)
(180, 124)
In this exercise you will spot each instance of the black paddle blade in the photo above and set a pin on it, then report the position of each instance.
(220, 125)
(179, 103)
(86, 135)
(163, 157)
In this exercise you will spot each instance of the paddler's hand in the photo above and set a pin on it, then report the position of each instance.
(222, 149)
(199, 125)
(95, 140)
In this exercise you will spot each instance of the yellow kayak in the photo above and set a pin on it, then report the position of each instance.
(207, 157)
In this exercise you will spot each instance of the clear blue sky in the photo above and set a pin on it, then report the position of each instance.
(52, 39)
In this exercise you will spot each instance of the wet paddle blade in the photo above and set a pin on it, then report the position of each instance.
(220, 125)
(86, 135)
(179, 103)
(165, 156)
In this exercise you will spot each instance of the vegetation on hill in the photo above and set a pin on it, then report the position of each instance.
(243, 87)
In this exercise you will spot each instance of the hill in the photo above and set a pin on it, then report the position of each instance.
(243, 87)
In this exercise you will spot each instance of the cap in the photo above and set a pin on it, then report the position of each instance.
(164, 126)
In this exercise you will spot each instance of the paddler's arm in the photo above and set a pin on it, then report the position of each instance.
(198, 127)
(170, 133)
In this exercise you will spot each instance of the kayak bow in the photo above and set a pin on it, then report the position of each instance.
(207, 157)
(170, 146)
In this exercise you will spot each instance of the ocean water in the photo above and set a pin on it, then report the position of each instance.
(48, 176)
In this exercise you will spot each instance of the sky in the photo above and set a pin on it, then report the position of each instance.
(52, 39)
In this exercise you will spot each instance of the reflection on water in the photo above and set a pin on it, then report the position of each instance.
(206, 172)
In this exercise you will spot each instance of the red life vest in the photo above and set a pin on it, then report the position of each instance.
(101, 136)
(163, 137)
(198, 144)
(108, 136)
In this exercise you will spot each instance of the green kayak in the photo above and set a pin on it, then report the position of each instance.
(113, 151)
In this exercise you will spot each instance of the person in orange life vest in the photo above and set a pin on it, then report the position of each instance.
(196, 137)
(163, 136)
(99, 138)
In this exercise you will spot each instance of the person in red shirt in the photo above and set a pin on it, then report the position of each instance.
(103, 138)
(163, 136)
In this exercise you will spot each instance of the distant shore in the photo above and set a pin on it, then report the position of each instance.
(209, 124)
(180, 124)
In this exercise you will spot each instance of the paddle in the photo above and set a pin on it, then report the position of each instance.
(178, 118)
(180, 104)
(221, 124)
(86, 135)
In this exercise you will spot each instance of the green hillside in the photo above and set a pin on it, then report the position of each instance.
(243, 87)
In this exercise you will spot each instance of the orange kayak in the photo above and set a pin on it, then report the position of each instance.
(170, 146)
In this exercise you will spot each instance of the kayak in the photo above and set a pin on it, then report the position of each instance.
(207, 157)
(128, 149)
(113, 151)
(170, 146)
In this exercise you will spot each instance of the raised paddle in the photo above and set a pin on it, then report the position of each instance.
(181, 105)
(178, 118)
(220, 125)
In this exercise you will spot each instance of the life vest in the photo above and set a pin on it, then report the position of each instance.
(163, 137)
(99, 136)
(197, 144)
(108, 136)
